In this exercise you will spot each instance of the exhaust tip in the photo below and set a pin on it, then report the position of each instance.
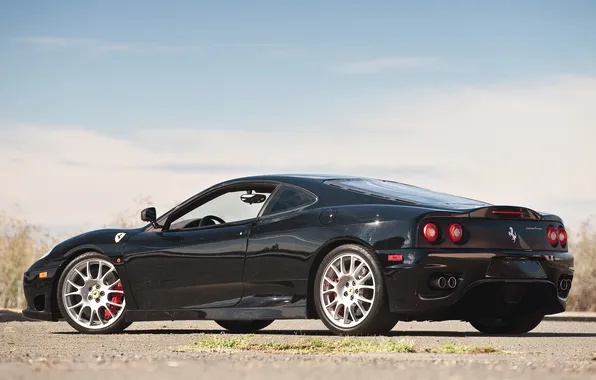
(442, 282)
(452, 282)
(563, 284)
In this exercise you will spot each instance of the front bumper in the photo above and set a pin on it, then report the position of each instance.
(40, 315)
(39, 293)
(488, 283)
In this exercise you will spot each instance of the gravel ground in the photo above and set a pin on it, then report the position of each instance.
(31, 350)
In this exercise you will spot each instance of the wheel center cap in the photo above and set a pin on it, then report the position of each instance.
(351, 290)
(95, 294)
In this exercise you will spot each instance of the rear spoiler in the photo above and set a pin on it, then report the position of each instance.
(499, 212)
(506, 212)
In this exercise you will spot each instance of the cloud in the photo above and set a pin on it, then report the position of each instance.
(527, 145)
(373, 66)
(79, 44)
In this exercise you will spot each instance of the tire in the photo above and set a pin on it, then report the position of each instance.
(96, 285)
(368, 308)
(244, 327)
(513, 325)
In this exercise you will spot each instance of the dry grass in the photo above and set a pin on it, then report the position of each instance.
(306, 346)
(22, 243)
(313, 346)
(583, 291)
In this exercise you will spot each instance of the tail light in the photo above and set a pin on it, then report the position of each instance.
(455, 232)
(552, 235)
(430, 232)
(562, 236)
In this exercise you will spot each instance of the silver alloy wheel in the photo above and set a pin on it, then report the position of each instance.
(89, 291)
(347, 290)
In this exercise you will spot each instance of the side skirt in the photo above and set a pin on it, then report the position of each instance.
(232, 313)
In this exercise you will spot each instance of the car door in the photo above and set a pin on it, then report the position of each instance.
(187, 269)
(189, 264)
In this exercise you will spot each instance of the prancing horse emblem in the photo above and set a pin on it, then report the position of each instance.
(119, 236)
(512, 234)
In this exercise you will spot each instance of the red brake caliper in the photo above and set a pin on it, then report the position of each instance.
(332, 296)
(116, 298)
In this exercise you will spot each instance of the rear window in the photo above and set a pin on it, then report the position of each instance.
(408, 193)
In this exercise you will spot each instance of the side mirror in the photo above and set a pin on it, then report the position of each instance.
(150, 215)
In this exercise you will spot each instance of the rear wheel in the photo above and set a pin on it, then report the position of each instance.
(518, 324)
(244, 327)
(90, 295)
(350, 294)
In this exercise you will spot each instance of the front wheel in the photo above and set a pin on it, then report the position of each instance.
(244, 327)
(350, 294)
(90, 295)
(516, 325)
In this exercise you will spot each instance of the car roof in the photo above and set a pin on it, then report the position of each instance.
(290, 178)
(402, 193)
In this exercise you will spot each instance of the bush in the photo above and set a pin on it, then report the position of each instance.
(582, 296)
(20, 245)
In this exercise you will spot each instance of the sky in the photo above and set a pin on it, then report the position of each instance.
(105, 103)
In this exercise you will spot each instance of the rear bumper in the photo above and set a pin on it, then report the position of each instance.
(488, 283)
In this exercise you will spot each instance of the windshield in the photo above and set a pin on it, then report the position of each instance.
(408, 193)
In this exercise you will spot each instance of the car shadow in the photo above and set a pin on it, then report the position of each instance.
(307, 333)
(7, 315)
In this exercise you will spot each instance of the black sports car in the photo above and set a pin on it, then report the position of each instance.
(360, 254)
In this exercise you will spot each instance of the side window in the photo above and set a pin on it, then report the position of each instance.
(230, 207)
(287, 198)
